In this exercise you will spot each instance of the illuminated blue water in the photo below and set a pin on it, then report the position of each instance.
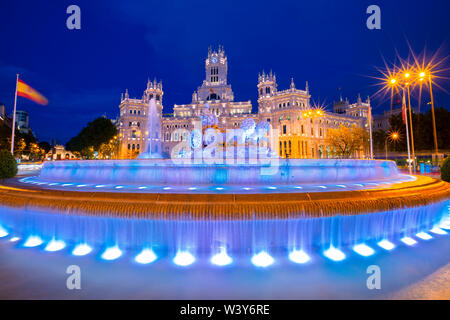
(294, 175)
(361, 234)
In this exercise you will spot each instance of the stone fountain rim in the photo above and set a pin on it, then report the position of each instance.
(423, 191)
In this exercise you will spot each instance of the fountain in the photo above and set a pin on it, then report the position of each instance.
(153, 147)
(189, 209)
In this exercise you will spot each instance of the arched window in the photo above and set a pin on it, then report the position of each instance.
(213, 96)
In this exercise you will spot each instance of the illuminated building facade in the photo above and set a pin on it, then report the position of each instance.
(302, 128)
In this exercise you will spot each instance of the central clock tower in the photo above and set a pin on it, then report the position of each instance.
(216, 67)
(214, 88)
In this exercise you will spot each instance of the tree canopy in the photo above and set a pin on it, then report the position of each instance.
(25, 144)
(346, 141)
(423, 131)
(97, 132)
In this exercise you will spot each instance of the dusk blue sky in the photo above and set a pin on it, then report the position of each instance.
(122, 43)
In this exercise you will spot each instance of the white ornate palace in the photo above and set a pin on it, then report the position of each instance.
(302, 127)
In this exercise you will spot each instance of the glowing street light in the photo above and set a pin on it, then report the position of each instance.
(394, 136)
(314, 113)
(411, 74)
(394, 81)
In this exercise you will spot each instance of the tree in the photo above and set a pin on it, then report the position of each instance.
(88, 152)
(109, 150)
(99, 131)
(77, 154)
(423, 130)
(445, 169)
(379, 138)
(5, 136)
(19, 139)
(105, 151)
(45, 145)
(19, 147)
(347, 141)
(36, 152)
(8, 165)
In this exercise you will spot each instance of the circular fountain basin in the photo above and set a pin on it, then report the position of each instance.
(153, 175)
(342, 204)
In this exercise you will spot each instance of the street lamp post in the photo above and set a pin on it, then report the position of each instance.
(411, 131)
(433, 116)
(385, 145)
(395, 83)
(402, 78)
(407, 76)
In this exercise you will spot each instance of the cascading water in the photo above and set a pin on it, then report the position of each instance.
(219, 209)
(237, 237)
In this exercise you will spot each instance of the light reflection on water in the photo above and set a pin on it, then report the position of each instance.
(238, 238)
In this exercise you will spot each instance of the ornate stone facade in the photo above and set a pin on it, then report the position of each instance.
(302, 128)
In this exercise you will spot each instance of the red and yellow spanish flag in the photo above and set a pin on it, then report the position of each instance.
(24, 90)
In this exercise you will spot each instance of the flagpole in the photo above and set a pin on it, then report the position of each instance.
(370, 132)
(14, 117)
(412, 131)
(407, 134)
